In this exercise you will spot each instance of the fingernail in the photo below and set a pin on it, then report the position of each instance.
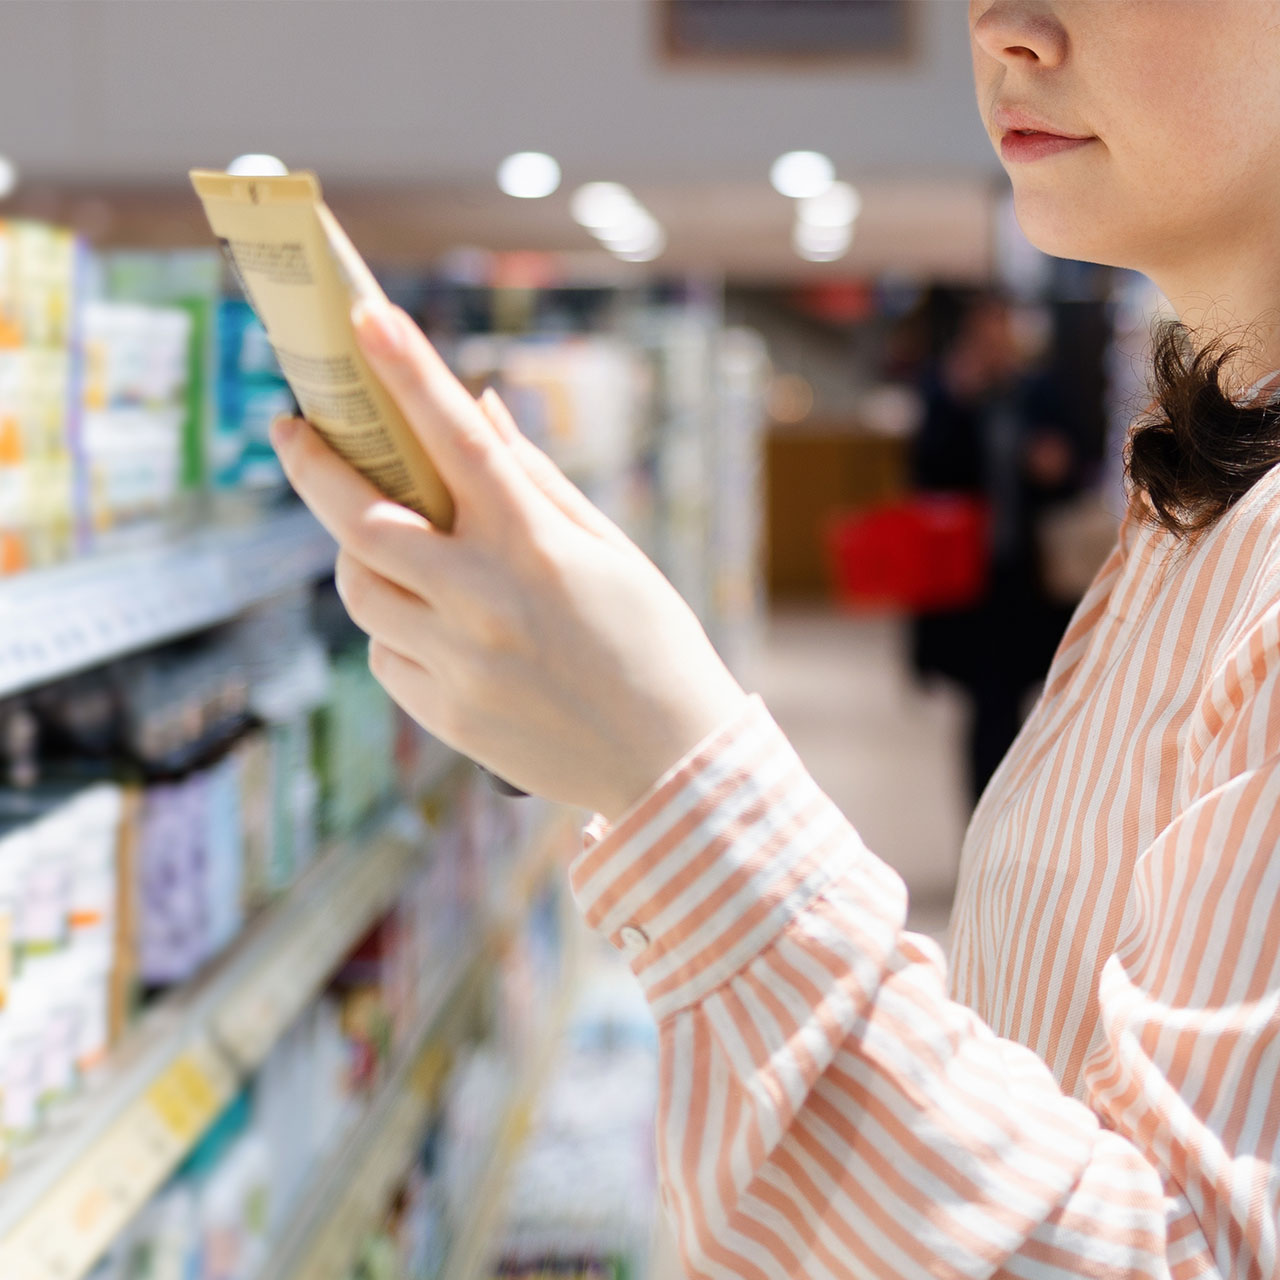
(377, 328)
(282, 430)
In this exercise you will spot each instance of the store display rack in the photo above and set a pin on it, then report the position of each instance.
(360, 1180)
(477, 1239)
(325, 1233)
(57, 621)
(93, 1167)
(190, 1055)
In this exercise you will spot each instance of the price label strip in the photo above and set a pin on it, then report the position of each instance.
(73, 1225)
(63, 619)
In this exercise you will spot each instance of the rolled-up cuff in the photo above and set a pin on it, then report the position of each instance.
(703, 872)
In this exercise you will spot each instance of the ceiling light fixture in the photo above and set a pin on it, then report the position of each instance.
(529, 175)
(602, 204)
(646, 252)
(258, 165)
(821, 244)
(618, 221)
(837, 206)
(802, 173)
(640, 227)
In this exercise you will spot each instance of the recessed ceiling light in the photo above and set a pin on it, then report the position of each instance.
(837, 206)
(639, 227)
(643, 253)
(602, 204)
(529, 175)
(802, 173)
(821, 244)
(823, 237)
(258, 166)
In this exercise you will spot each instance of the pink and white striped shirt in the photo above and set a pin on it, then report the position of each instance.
(1093, 1088)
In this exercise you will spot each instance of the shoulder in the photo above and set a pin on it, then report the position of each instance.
(1237, 567)
(1250, 534)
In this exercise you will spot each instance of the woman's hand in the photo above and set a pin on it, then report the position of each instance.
(535, 637)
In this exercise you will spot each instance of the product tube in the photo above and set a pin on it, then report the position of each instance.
(302, 276)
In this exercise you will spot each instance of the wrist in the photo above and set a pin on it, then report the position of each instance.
(679, 736)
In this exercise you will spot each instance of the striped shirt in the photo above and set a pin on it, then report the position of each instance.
(1090, 1089)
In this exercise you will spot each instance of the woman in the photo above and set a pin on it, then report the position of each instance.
(1091, 1089)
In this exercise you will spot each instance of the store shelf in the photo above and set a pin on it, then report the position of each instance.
(54, 622)
(325, 1234)
(275, 977)
(351, 1199)
(136, 1143)
(187, 1059)
(474, 1245)
(472, 1249)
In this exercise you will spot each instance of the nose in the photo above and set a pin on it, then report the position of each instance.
(1018, 30)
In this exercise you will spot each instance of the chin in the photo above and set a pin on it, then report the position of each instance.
(1066, 227)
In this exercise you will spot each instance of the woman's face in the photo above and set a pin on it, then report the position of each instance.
(1182, 101)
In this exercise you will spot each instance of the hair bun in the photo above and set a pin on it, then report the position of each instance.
(1195, 451)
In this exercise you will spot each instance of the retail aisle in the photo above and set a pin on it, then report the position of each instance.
(889, 753)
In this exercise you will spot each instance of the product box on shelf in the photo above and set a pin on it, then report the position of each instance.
(58, 869)
(37, 273)
(356, 738)
(39, 260)
(135, 371)
(105, 390)
(191, 279)
(10, 319)
(252, 392)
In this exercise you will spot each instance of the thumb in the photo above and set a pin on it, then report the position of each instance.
(544, 473)
(438, 408)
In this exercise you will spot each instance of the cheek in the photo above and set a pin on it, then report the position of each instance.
(1179, 162)
(1200, 173)
(1207, 119)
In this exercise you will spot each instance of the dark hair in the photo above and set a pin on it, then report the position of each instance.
(1195, 451)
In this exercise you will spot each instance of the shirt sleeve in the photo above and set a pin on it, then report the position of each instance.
(826, 1111)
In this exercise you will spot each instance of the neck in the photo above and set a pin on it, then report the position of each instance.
(1243, 305)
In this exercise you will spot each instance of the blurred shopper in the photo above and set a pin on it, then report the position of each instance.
(1092, 1087)
(991, 429)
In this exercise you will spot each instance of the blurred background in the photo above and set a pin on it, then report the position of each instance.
(286, 991)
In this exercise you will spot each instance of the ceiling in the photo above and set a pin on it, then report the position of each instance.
(405, 108)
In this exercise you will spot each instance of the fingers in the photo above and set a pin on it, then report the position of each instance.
(395, 617)
(544, 473)
(404, 679)
(413, 687)
(396, 542)
(499, 416)
(451, 426)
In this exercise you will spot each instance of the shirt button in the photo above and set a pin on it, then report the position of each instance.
(633, 940)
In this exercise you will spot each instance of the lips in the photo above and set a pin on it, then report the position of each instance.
(1021, 147)
(1017, 120)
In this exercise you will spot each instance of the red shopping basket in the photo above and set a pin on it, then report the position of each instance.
(922, 554)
